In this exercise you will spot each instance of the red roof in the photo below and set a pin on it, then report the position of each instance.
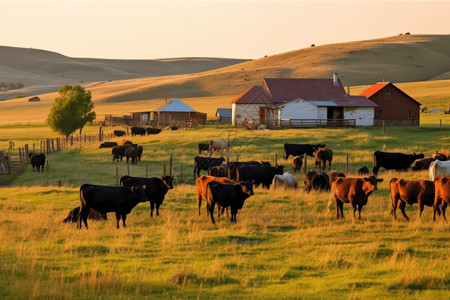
(374, 89)
(255, 95)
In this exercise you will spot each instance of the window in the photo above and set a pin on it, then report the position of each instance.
(387, 94)
(410, 115)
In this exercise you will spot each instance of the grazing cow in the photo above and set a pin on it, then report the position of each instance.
(201, 185)
(150, 130)
(317, 181)
(441, 155)
(297, 162)
(439, 168)
(323, 155)
(119, 152)
(204, 163)
(119, 133)
(355, 191)
(363, 171)
(131, 152)
(108, 145)
(409, 192)
(37, 161)
(218, 145)
(422, 164)
(202, 148)
(218, 171)
(442, 196)
(393, 161)
(126, 142)
(104, 199)
(286, 180)
(139, 150)
(300, 149)
(233, 166)
(138, 131)
(93, 215)
(335, 174)
(258, 174)
(155, 191)
(225, 194)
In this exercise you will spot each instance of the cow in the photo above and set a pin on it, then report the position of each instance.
(119, 152)
(139, 150)
(225, 194)
(104, 199)
(131, 152)
(439, 168)
(286, 180)
(355, 191)
(126, 142)
(297, 163)
(108, 145)
(202, 148)
(335, 174)
(300, 149)
(201, 185)
(218, 171)
(155, 191)
(204, 163)
(150, 130)
(393, 161)
(442, 196)
(317, 181)
(218, 145)
(441, 155)
(119, 133)
(138, 131)
(233, 166)
(363, 171)
(258, 174)
(422, 164)
(37, 161)
(323, 155)
(93, 215)
(409, 192)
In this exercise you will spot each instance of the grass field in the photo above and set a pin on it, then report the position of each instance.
(286, 244)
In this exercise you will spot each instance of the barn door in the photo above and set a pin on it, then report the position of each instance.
(262, 114)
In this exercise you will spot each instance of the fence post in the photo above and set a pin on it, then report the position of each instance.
(164, 170)
(26, 153)
(20, 155)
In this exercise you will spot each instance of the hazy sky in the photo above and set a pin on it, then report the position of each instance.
(146, 29)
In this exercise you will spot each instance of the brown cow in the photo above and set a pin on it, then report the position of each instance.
(333, 174)
(297, 162)
(126, 142)
(323, 155)
(441, 155)
(409, 192)
(201, 185)
(353, 190)
(442, 196)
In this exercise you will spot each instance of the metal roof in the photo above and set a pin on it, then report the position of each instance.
(255, 95)
(224, 112)
(323, 103)
(374, 89)
(175, 105)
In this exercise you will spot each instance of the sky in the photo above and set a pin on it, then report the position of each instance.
(149, 29)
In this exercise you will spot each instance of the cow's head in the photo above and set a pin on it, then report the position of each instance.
(372, 184)
(167, 181)
(222, 159)
(418, 156)
(247, 187)
(140, 192)
(279, 170)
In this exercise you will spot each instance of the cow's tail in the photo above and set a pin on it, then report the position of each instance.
(393, 198)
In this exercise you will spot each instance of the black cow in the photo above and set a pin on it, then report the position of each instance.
(119, 133)
(108, 145)
(150, 130)
(156, 188)
(204, 163)
(218, 171)
(138, 131)
(139, 150)
(317, 181)
(119, 151)
(104, 199)
(37, 161)
(203, 147)
(131, 152)
(93, 215)
(225, 194)
(423, 164)
(233, 166)
(393, 161)
(300, 149)
(258, 174)
(363, 171)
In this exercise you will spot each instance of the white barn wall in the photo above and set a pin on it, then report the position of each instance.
(299, 109)
(322, 113)
(363, 116)
(242, 111)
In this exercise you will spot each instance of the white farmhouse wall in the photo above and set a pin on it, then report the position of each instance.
(244, 111)
(363, 116)
(322, 113)
(299, 109)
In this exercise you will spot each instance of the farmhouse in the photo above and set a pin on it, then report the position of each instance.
(394, 105)
(302, 102)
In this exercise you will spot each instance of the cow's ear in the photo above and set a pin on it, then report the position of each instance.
(380, 180)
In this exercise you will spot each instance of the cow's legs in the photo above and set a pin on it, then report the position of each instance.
(124, 217)
(339, 206)
(233, 215)
(157, 209)
(402, 209)
(118, 219)
(421, 205)
(359, 210)
(442, 207)
(211, 212)
(152, 207)
(354, 209)
(82, 216)
(199, 201)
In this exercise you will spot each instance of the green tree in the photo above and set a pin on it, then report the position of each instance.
(71, 110)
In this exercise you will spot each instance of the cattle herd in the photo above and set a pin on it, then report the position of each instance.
(230, 184)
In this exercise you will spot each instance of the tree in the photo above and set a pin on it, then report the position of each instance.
(71, 110)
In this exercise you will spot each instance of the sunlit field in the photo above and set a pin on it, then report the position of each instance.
(285, 244)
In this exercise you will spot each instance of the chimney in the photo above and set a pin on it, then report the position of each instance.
(335, 79)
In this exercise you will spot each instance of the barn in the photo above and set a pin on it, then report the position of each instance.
(223, 115)
(395, 107)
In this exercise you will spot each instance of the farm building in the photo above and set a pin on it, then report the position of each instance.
(223, 115)
(302, 102)
(394, 105)
(174, 113)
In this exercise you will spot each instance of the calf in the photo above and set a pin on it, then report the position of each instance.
(106, 199)
(393, 161)
(218, 145)
(335, 174)
(300, 149)
(363, 171)
(317, 181)
(119, 133)
(201, 185)
(139, 150)
(204, 163)
(258, 174)
(297, 162)
(155, 188)
(323, 155)
(108, 145)
(126, 142)
(409, 192)
(286, 180)
(202, 148)
(355, 191)
(224, 194)
(131, 152)
(439, 168)
(218, 171)
(442, 196)
(138, 131)
(150, 130)
(119, 152)
(37, 161)
(93, 215)
(422, 164)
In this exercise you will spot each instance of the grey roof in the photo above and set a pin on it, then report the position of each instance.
(223, 112)
(175, 105)
(323, 103)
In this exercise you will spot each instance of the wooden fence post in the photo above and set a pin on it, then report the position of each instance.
(26, 154)
(164, 170)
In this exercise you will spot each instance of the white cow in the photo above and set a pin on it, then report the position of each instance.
(287, 180)
(218, 145)
(439, 168)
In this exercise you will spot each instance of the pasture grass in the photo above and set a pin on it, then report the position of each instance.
(286, 244)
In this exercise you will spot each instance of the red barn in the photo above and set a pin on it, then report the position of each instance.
(394, 105)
